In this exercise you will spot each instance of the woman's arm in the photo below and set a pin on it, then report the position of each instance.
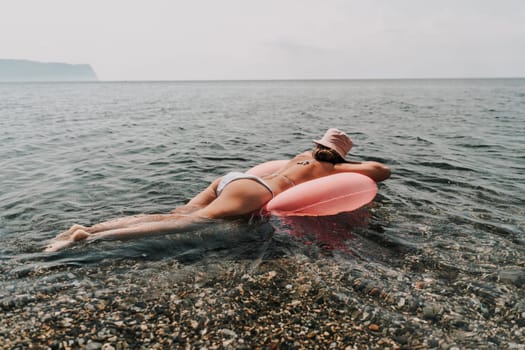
(374, 170)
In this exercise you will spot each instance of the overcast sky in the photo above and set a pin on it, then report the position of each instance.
(270, 39)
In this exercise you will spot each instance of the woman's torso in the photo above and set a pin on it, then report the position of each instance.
(299, 169)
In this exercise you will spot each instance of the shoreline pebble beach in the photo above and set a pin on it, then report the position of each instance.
(287, 303)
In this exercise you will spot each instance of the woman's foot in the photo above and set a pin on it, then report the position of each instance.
(65, 239)
(79, 235)
(67, 234)
(55, 246)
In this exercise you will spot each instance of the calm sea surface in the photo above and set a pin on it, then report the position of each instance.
(453, 210)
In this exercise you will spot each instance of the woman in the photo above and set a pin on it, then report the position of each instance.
(235, 194)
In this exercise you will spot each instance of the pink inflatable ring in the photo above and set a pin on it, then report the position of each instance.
(327, 195)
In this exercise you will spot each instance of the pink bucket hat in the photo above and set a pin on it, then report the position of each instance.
(336, 140)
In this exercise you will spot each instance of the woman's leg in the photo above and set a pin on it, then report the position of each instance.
(240, 197)
(127, 221)
(186, 209)
(166, 223)
(141, 229)
(113, 224)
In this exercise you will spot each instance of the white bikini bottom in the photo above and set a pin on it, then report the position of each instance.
(235, 175)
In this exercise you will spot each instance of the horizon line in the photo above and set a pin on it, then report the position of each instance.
(260, 80)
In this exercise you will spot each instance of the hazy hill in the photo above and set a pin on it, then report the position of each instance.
(25, 70)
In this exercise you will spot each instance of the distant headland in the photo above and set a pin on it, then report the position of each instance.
(12, 70)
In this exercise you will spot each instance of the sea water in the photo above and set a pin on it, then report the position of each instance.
(88, 152)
